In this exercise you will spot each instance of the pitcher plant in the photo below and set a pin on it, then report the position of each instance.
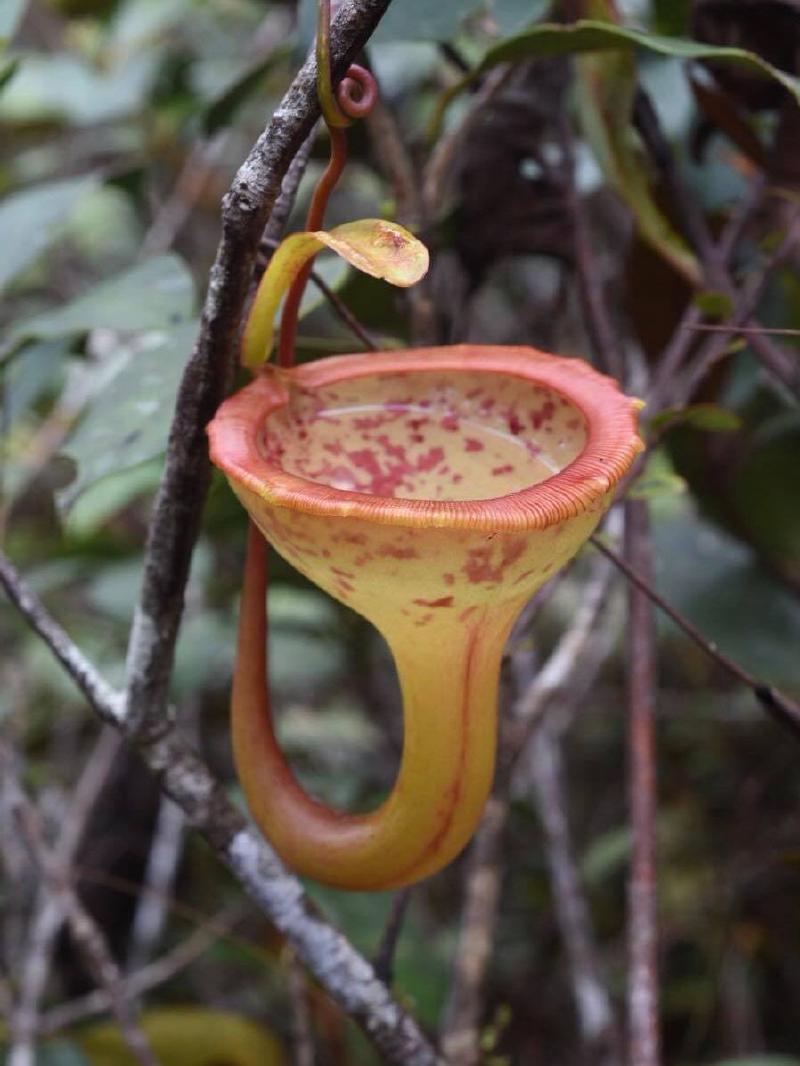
(433, 491)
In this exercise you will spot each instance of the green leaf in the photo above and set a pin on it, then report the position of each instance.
(32, 219)
(716, 305)
(187, 1036)
(607, 87)
(606, 856)
(100, 501)
(708, 416)
(709, 576)
(155, 294)
(59, 87)
(222, 110)
(589, 35)
(11, 12)
(36, 371)
(657, 485)
(128, 421)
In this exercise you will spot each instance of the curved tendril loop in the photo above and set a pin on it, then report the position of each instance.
(357, 92)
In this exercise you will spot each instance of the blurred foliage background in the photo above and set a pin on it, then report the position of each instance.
(121, 125)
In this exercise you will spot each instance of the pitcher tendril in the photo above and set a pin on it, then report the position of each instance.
(354, 98)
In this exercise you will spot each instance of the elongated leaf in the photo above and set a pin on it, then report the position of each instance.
(706, 416)
(381, 249)
(128, 422)
(156, 294)
(607, 88)
(589, 35)
(32, 219)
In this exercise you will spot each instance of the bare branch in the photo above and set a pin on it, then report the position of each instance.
(302, 1033)
(643, 990)
(384, 956)
(778, 362)
(86, 933)
(49, 915)
(151, 976)
(162, 867)
(593, 1004)
(88, 679)
(483, 882)
(682, 341)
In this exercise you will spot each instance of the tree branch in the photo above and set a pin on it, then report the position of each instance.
(643, 990)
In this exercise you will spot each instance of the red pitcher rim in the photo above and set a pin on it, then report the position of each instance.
(611, 445)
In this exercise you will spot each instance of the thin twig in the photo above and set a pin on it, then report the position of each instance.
(384, 956)
(550, 682)
(87, 935)
(337, 303)
(461, 1027)
(745, 303)
(776, 703)
(159, 877)
(397, 165)
(302, 1032)
(88, 679)
(596, 1019)
(176, 208)
(147, 978)
(436, 179)
(345, 314)
(778, 362)
(643, 988)
(681, 343)
(48, 915)
(284, 205)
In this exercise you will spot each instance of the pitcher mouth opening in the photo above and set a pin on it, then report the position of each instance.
(479, 437)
